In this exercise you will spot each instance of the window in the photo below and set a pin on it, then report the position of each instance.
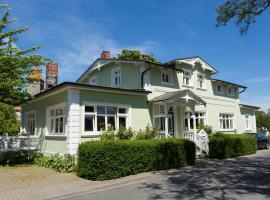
(200, 118)
(219, 89)
(226, 122)
(247, 122)
(166, 77)
(93, 80)
(30, 123)
(187, 78)
(56, 123)
(116, 77)
(99, 118)
(231, 91)
(159, 121)
(200, 81)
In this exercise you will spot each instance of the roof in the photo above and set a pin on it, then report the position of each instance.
(249, 106)
(91, 87)
(211, 68)
(175, 94)
(226, 82)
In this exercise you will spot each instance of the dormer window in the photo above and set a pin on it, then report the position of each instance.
(116, 77)
(93, 81)
(166, 77)
(200, 81)
(219, 89)
(187, 78)
(230, 91)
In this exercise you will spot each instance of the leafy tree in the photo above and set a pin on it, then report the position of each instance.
(127, 54)
(243, 11)
(15, 63)
(263, 119)
(8, 120)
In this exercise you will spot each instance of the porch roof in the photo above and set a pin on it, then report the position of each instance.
(184, 94)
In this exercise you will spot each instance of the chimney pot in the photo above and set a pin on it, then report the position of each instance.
(105, 55)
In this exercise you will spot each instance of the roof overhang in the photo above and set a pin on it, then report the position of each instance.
(228, 83)
(249, 106)
(172, 97)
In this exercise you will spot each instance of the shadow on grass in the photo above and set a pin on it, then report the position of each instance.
(215, 179)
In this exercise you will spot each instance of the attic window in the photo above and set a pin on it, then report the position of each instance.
(187, 78)
(219, 89)
(231, 91)
(166, 77)
(93, 80)
(116, 77)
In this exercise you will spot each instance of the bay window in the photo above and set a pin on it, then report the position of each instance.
(226, 122)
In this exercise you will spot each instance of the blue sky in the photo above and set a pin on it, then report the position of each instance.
(74, 32)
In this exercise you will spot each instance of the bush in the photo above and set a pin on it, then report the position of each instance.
(208, 129)
(59, 163)
(109, 134)
(125, 134)
(148, 133)
(9, 123)
(16, 158)
(102, 160)
(231, 145)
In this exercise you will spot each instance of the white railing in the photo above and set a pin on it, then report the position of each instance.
(18, 143)
(189, 135)
(200, 139)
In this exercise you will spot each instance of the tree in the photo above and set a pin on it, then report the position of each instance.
(8, 120)
(15, 63)
(127, 54)
(263, 119)
(243, 11)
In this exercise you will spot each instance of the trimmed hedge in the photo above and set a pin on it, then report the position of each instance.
(103, 160)
(16, 158)
(231, 145)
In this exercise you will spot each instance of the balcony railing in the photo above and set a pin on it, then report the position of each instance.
(19, 143)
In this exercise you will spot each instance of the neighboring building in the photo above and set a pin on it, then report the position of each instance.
(174, 98)
(37, 85)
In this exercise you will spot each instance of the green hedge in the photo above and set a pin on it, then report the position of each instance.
(102, 160)
(231, 145)
(16, 158)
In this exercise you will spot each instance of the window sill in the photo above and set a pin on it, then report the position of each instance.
(55, 136)
(166, 83)
(227, 130)
(203, 89)
(187, 86)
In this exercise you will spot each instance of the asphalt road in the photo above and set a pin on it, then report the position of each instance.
(233, 179)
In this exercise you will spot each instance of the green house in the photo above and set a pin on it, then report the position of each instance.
(174, 98)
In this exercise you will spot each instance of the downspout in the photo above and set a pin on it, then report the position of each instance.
(244, 89)
(142, 79)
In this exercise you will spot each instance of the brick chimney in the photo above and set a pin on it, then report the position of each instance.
(105, 55)
(51, 74)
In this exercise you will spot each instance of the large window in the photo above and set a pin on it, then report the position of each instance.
(247, 122)
(200, 81)
(56, 122)
(159, 122)
(116, 77)
(187, 78)
(98, 118)
(226, 122)
(30, 122)
(166, 77)
(200, 119)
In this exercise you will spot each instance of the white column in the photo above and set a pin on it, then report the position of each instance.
(194, 123)
(73, 121)
(166, 120)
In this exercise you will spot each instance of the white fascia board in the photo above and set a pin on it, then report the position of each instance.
(193, 61)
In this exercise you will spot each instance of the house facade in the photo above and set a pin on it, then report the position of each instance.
(174, 98)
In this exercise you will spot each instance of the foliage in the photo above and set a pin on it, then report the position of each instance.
(8, 120)
(263, 119)
(125, 134)
(136, 55)
(208, 129)
(244, 11)
(148, 133)
(231, 145)
(15, 63)
(102, 160)
(108, 134)
(65, 163)
(16, 158)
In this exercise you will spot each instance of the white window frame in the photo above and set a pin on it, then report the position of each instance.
(93, 80)
(95, 131)
(232, 91)
(190, 118)
(185, 76)
(119, 77)
(168, 73)
(221, 87)
(33, 122)
(247, 122)
(231, 120)
(202, 80)
(48, 119)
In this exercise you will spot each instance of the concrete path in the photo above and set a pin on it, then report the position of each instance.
(234, 179)
(240, 178)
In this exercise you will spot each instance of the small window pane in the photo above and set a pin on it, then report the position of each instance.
(61, 125)
(111, 110)
(101, 110)
(89, 109)
(111, 121)
(89, 123)
(122, 122)
(122, 110)
(100, 123)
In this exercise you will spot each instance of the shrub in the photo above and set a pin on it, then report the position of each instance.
(8, 120)
(148, 133)
(109, 134)
(124, 134)
(16, 158)
(231, 145)
(101, 160)
(208, 129)
(59, 163)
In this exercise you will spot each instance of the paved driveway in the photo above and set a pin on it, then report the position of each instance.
(241, 178)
